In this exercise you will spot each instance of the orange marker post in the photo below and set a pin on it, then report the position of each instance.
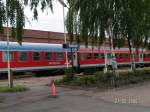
(53, 89)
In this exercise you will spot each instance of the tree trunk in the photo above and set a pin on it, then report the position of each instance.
(131, 56)
(114, 63)
(114, 82)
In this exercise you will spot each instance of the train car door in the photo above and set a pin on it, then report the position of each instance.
(75, 59)
(140, 57)
(108, 58)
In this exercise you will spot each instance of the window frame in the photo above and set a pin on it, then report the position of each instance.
(121, 56)
(34, 57)
(83, 55)
(62, 57)
(146, 55)
(116, 56)
(109, 55)
(127, 56)
(51, 54)
(11, 59)
(90, 56)
(98, 56)
(101, 56)
(26, 57)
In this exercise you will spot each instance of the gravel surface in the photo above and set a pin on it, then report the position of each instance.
(38, 98)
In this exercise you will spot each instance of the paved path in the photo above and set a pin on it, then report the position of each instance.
(38, 100)
(136, 94)
(69, 100)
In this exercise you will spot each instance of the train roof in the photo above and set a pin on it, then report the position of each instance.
(31, 46)
(26, 46)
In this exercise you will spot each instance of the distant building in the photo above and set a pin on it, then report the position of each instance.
(37, 36)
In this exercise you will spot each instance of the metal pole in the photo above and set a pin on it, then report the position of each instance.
(114, 62)
(105, 57)
(10, 84)
(65, 37)
(72, 68)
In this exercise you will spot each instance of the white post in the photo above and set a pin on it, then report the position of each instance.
(105, 57)
(132, 59)
(65, 37)
(8, 59)
(114, 62)
(8, 51)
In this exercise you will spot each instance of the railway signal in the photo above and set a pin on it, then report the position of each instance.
(71, 46)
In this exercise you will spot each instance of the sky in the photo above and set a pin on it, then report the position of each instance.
(47, 21)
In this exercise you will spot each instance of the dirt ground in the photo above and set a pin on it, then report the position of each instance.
(130, 96)
(138, 94)
(32, 81)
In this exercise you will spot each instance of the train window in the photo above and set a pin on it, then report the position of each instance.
(69, 55)
(146, 55)
(121, 55)
(127, 56)
(141, 56)
(89, 56)
(59, 56)
(102, 56)
(115, 55)
(36, 56)
(82, 56)
(11, 56)
(96, 56)
(48, 56)
(23, 56)
(108, 55)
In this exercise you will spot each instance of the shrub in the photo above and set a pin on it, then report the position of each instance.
(132, 78)
(68, 74)
(65, 80)
(18, 88)
(84, 81)
(89, 71)
(101, 79)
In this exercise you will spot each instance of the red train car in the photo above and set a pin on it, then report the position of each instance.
(41, 57)
(89, 57)
(32, 56)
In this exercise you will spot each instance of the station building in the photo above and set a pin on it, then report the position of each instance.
(37, 36)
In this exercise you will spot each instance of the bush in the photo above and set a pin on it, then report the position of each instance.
(86, 80)
(90, 71)
(18, 88)
(64, 80)
(100, 79)
(68, 74)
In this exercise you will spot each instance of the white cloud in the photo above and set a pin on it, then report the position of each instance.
(47, 22)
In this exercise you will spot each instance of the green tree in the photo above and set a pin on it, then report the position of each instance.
(13, 11)
(12, 14)
(120, 19)
(92, 20)
(135, 24)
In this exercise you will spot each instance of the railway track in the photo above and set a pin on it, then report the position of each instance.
(29, 75)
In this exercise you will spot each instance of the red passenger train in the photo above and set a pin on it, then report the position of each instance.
(41, 57)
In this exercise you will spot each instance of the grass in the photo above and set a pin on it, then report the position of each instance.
(18, 88)
(99, 79)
